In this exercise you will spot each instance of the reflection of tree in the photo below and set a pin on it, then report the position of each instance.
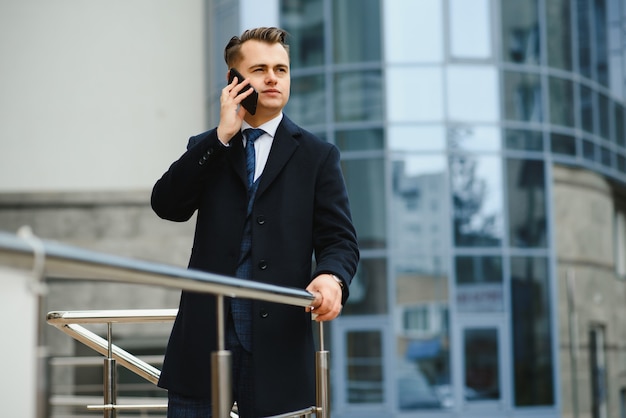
(469, 191)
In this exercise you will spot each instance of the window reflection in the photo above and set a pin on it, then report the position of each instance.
(473, 94)
(364, 362)
(561, 102)
(306, 42)
(356, 30)
(558, 35)
(589, 150)
(365, 181)
(600, 42)
(358, 96)
(563, 144)
(307, 102)
(477, 198)
(616, 9)
(522, 97)
(423, 362)
(606, 157)
(524, 140)
(482, 367)
(479, 284)
(520, 31)
(368, 289)
(530, 323)
(474, 137)
(620, 132)
(586, 108)
(416, 138)
(593, 40)
(422, 102)
(621, 163)
(470, 29)
(360, 139)
(527, 203)
(425, 18)
(419, 202)
(603, 116)
(583, 12)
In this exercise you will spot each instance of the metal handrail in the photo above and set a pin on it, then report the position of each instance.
(56, 260)
(67, 262)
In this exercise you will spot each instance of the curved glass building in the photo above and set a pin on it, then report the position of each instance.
(484, 149)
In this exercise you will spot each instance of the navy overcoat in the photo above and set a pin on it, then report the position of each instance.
(301, 210)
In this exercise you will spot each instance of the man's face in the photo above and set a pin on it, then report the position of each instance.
(267, 67)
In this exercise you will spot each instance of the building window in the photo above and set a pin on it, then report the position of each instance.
(528, 227)
(533, 362)
(479, 284)
(306, 43)
(597, 360)
(356, 31)
(364, 367)
(365, 180)
(415, 319)
(520, 31)
(476, 183)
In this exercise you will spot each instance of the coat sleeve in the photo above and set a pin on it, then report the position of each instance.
(175, 196)
(335, 240)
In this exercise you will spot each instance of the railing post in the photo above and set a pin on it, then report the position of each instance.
(221, 396)
(322, 378)
(110, 378)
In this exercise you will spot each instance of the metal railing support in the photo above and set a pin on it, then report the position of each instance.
(110, 376)
(221, 370)
(322, 378)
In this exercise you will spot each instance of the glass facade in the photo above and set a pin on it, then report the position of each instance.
(449, 115)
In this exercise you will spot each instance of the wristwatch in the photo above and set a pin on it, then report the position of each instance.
(338, 280)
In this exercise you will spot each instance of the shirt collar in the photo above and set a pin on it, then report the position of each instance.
(269, 127)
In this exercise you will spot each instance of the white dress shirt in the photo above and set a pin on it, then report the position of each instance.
(263, 144)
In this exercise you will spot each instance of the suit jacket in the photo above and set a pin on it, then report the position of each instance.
(301, 209)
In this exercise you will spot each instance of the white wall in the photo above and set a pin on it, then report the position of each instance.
(97, 95)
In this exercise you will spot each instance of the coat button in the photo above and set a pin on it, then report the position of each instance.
(263, 265)
(260, 219)
(203, 159)
(264, 314)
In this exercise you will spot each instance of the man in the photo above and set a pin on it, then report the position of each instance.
(264, 228)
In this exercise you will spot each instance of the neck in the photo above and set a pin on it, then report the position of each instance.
(260, 118)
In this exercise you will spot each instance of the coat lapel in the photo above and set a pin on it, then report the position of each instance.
(284, 145)
(238, 158)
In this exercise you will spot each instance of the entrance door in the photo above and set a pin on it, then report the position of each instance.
(481, 354)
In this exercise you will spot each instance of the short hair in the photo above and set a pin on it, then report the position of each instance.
(271, 35)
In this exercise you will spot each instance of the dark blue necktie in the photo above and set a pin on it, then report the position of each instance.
(241, 308)
(251, 136)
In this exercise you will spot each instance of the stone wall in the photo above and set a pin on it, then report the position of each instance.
(583, 204)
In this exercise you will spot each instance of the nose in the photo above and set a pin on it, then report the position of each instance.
(271, 77)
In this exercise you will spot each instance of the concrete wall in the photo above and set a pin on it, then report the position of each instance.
(584, 241)
(98, 95)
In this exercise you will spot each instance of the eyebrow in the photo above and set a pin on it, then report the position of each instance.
(267, 65)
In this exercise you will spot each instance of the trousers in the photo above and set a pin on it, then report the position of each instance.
(181, 406)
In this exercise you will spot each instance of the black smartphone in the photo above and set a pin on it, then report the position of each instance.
(249, 103)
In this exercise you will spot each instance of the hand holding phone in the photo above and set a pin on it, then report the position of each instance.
(249, 103)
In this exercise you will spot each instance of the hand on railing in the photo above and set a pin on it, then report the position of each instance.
(327, 303)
